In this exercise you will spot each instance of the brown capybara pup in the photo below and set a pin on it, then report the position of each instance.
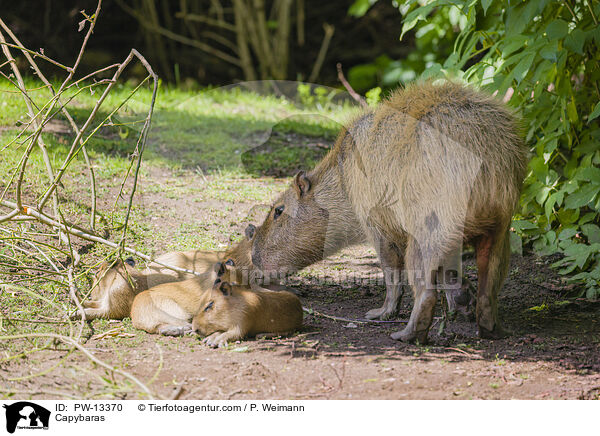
(231, 312)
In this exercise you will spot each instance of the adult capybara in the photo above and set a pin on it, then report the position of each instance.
(433, 166)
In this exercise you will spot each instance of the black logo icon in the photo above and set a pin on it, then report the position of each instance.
(26, 415)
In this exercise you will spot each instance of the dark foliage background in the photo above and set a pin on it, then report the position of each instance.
(52, 24)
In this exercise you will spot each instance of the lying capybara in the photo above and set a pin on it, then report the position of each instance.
(117, 283)
(231, 312)
(433, 166)
(168, 308)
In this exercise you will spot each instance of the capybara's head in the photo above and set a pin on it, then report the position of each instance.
(293, 233)
(113, 275)
(216, 310)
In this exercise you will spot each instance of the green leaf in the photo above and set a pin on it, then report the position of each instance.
(567, 233)
(567, 216)
(595, 113)
(360, 7)
(513, 44)
(557, 29)
(550, 51)
(485, 4)
(548, 207)
(588, 217)
(575, 40)
(580, 253)
(592, 293)
(590, 174)
(523, 225)
(542, 195)
(516, 244)
(584, 196)
(539, 168)
(592, 231)
(572, 111)
(415, 16)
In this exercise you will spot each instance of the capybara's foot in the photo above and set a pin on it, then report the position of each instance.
(215, 340)
(211, 340)
(462, 313)
(380, 313)
(497, 333)
(410, 335)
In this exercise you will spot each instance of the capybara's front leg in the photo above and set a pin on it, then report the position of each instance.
(419, 261)
(391, 263)
(420, 317)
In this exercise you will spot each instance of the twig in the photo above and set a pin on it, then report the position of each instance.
(177, 393)
(180, 38)
(73, 295)
(351, 91)
(361, 321)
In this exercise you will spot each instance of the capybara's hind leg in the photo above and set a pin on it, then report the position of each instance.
(392, 262)
(91, 313)
(456, 287)
(493, 252)
(174, 330)
(420, 272)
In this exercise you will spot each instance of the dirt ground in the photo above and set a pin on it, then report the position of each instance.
(554, 352)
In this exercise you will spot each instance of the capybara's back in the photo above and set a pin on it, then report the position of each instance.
(436, 155)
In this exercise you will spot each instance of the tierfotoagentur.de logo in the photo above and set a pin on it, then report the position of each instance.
(25, 415)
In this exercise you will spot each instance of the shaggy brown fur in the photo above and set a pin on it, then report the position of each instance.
(432, 167)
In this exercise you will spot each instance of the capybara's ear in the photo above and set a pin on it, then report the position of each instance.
(250, 230)
(129, 261)
(230, 262)
(225, 288)
(301, 183)
(220, 268)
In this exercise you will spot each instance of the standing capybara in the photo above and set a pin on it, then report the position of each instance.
(432, 167)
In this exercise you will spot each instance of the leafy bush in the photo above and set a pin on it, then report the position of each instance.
(543, 56)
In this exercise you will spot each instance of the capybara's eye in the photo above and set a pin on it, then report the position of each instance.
(278, 211)
(209, 306)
